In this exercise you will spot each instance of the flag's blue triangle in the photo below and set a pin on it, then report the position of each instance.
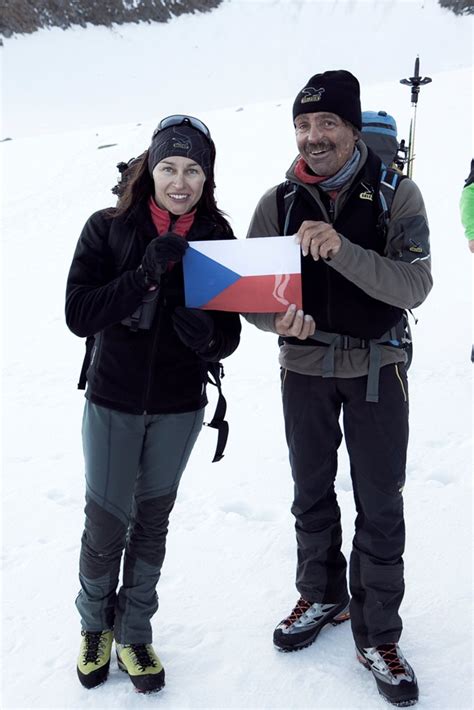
(204, 278)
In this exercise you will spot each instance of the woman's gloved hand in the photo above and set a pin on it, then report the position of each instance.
(159, 253)
(195, 328)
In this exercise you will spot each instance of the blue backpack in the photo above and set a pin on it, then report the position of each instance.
(379, 132)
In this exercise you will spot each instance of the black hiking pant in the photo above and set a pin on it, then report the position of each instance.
(133, 467)
(376, 436)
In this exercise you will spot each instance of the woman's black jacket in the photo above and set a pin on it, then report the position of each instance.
(138, 371)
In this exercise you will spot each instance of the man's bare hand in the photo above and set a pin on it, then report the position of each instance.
(294, 323)
(319, 239)
(471, 245)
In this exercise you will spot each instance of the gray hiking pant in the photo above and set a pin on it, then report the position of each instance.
(376, 436)
(133, 467)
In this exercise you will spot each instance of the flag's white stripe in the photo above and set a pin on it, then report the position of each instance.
(254, 257)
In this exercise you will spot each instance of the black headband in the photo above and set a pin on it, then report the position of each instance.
(183, 140)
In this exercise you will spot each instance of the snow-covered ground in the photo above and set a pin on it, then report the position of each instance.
(228, 575)
(245, 51)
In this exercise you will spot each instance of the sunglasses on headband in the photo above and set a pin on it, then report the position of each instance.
(180, 120)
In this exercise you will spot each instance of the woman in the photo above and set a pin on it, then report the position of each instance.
(146, 386)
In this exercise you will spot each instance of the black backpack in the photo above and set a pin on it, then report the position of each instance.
(125, 171)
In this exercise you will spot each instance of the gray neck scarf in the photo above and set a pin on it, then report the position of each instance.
(348, 170)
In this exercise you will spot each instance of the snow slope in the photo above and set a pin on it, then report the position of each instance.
(228, 575)
(245, 51)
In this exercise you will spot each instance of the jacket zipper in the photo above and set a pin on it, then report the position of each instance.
(161, 303)
(330, 219)
(332, 210)
(318, 202)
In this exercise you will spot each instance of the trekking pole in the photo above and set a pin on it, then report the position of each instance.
(416, 82)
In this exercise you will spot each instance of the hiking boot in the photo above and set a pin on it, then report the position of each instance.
(94, 657)
(143, 666)
(394, 676)
(303, 625)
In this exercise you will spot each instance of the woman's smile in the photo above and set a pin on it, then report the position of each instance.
(179, 183)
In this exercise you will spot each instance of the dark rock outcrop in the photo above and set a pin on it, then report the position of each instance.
(26, 16)
(459, 7)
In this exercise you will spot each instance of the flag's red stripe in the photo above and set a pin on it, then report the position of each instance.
(259, 294)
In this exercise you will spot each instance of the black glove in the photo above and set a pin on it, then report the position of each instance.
(195, 328)
(158, 254)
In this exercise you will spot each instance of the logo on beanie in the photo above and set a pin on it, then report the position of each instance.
(182, 145)
(311, 94)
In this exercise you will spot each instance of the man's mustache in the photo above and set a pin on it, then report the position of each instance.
(321, 145)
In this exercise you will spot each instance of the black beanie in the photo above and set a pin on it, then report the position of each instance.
(182, 140)
(333, 91)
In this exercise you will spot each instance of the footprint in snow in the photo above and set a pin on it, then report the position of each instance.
(243, 510)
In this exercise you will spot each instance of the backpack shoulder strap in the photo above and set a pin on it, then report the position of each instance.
(390, 179)
(285, 196)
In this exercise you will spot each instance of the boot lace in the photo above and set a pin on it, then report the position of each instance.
(93, 646)
(389, 653)
(142, 654)
(301, 607)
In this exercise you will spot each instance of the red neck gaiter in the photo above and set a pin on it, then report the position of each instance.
(163, 220)
(301, 172)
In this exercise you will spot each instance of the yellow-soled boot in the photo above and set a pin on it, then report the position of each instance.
(94, 657)
(143, 666)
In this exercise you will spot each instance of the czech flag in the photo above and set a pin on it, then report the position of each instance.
(258, 275)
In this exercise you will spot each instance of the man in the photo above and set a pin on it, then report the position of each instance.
(344, 352)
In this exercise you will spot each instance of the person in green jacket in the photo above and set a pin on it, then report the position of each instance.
(467, 208)
(467, 216)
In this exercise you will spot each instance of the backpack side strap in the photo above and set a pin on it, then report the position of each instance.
(81, 385)
(214, 376)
